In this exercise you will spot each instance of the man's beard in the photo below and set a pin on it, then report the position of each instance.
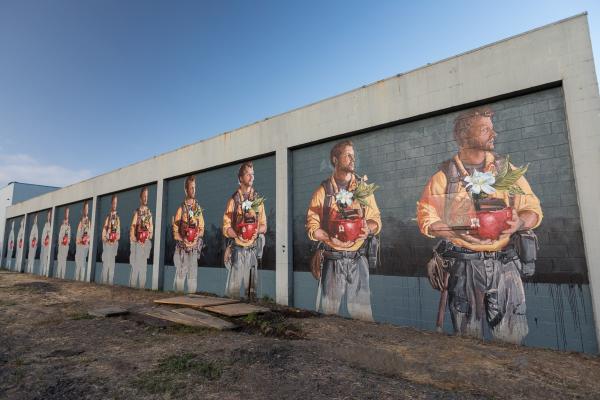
(347, 168)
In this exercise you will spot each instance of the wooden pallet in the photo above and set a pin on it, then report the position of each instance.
(195, 301)
(236, 310)
(189, 317)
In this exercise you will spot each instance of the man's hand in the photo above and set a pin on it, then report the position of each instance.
(365, 231)
(472, 239)
(338, 243)
(515, 224)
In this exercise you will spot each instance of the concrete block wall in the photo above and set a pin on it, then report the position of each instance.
(539, 131)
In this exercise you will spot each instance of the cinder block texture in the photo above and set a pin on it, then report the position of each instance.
(400, 159)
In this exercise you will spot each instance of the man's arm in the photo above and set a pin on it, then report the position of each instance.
(132, 237)
(175, 226)
(262, 219)
(228, 230)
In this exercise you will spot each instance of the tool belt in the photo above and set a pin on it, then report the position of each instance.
(333, 254)
(461, 253)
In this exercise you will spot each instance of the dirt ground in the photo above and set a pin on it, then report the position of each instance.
(51, 349)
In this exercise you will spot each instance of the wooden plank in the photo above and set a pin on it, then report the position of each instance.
(196, 301)
(108, 312)
(184, 319)
(210, 320)
(237, 310)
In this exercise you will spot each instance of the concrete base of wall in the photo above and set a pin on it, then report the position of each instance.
(559, 315)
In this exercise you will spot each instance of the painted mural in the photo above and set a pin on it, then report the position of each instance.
(72, 239)
(11, 244)
(82, 243)
(483, 210)
(188, 233)
(32, 243)
(344, 219)
(244, 227)
(140, 237)
(111, 234)
(63, 244)
(465, 222)
(125, 229)
(45, 245)
(217, 240)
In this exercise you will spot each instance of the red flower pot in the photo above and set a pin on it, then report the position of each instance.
(33, 242)
(346, 229)
(247, 229)
(492, 223)
(112, 237)
(65, 240)
(46, 241)
(142, 236)
(191, 234)
(20, 243)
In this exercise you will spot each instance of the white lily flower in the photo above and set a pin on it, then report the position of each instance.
(480, 182)
(344, 197)
(246, 205)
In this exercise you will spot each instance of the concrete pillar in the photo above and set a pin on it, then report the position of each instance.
(582, 103)
(284, 273)
(91, 261)
(52, 244)
(159, 246)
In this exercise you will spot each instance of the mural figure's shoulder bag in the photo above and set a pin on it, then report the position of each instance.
(526, 245)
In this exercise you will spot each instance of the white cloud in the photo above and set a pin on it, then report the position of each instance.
(26, 169)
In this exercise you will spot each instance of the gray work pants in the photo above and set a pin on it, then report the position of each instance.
(138, 258)
(243, 269)
(492, 288)
(109, 252)
(61, 260)
(186, 268)
(81, 253)
(44, 260)
(349, 276)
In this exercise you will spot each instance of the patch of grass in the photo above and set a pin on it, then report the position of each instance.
(272, 324)
(81, 315)
(186, 330)
(267, 299)
(174, 373)
(8, 303)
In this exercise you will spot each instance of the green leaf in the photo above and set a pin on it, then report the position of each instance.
(510, 178)
(514, 189)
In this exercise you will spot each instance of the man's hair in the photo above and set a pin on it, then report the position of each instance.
(243, 168)
(188, 180)
(144, 189)
(464, 121)
(338, 148)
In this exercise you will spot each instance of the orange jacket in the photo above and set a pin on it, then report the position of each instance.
(314, 216)
(431, 206)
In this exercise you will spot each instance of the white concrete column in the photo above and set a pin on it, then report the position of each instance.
(52, 245)
(91, 261)
(284, 273)
(159, 247)
(582, 104)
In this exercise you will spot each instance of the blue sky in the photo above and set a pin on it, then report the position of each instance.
(89, 86)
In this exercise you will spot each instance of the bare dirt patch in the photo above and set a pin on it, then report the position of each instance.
(50, 348)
